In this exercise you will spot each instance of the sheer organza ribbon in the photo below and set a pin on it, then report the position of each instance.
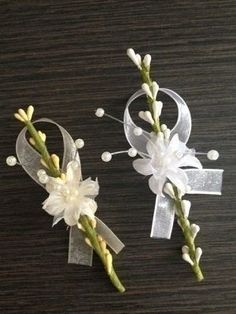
(29, 158)
(201, 181)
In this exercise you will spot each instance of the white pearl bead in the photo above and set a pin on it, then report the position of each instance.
(41, 172)
(132, 152)
(213, 155)
(106, 156)
(100, 112)
(43, 179)
(138, 131)
(74, 164)
(11, 161)
(79, 143)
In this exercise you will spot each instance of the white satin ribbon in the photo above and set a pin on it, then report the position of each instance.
(29, 158)
(201, 181)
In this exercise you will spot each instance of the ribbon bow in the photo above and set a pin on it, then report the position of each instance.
(200, 181)
(29, 158)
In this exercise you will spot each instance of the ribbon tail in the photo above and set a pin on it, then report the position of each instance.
(111, 239)
(163, 218)
(205, 181)
(79, 252)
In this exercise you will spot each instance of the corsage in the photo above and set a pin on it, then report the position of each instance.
(70, 198)
(173, 169)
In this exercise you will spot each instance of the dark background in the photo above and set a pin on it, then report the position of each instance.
(68, 58)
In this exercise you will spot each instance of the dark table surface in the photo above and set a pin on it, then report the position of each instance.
(68, 58)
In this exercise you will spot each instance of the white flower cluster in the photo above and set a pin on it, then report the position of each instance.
(150, 91)
(137, 60)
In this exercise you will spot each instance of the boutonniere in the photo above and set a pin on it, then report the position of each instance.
(173, 169)
(70, 198)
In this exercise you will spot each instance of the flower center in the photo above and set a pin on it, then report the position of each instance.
(70, 194)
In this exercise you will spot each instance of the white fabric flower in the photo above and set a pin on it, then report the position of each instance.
(71, 197)
(164, 161)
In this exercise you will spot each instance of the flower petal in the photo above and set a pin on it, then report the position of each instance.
(88, 207)
(89, 187)
(155, 146)
(189, 161)
(156, 184)
(143, 166)
(73, 172)
(54, 184)
(54, 204)
(174, 144)
(70, 216)
(57, 218)
(179, 178)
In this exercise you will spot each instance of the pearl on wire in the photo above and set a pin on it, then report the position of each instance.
(11, 161)
(43, 178)
(138, 131)
(132, 152)
(213, 154)
(41, 172)
(100, 112)
(106, 156)
(79, 143)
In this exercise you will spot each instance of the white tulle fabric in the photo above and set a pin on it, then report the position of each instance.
(164, 162)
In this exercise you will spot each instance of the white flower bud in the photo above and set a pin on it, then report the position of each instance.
(155, 89)
(167, 134)
(147, 61)
(157, 107)
(194, 229)
(185, 249)
(148, 117)
(109, 262)
(186, 205)
(141, 114)
(198, 254)
(131, 54)
(23, 114)
(147, 90)
(186, 257)
(168, 189)
(30, 111)
(163, 127)
(139, 59)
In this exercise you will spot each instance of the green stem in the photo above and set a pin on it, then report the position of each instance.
(41, 147)
(93, 237)
(185, 226)
(184, 222)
